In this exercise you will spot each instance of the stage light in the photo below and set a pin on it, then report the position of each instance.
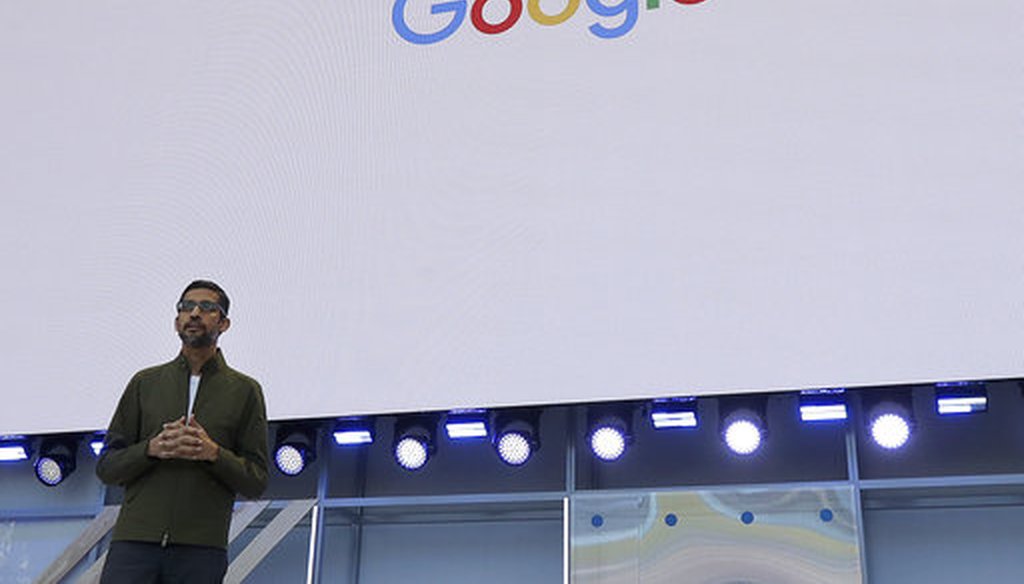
(743, 436)
(743, 424)
(890, 430)
(353, 432)
(608, 441)
(961, 398)
(466, 424)
(14, 449)
(514, 448)
(674, 413)
(516, 435)
(57, 460)
(415, 441)
(97, 443)
(412, 453)
(610, 430)
(889, 420)
(295, 449)
(823, 405)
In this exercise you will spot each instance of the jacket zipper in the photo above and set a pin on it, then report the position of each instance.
(165, 539)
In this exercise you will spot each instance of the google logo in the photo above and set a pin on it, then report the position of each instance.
(452, 13)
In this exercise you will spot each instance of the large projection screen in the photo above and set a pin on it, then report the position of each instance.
(431, 204)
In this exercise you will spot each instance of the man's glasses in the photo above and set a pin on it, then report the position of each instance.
(204, 305)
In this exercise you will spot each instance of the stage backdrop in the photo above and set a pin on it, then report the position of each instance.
(421, 204)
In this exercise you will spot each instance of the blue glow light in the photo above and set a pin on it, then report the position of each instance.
(823, 413)
(13, 453)
(823, 405)
(14, 449)
(674, 413)
(457, 430)
(961, 398)
(96, 443)
(352, 437)
(463, 424)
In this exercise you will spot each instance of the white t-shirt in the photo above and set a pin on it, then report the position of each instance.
(193, 388)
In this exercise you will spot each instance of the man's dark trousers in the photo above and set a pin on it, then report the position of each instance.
(133, 562)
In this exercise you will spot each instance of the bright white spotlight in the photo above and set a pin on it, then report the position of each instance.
(516, 435)
(514, 448)
(56, 462)
(743, 436)
(608, 442)
(295, 449)
(49, 471)
(289, 459)
(411, 453)
(890, 430)
(415, 440)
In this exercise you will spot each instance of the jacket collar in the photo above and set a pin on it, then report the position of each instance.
(212, 365)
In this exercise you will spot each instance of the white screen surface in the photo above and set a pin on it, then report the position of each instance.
(731, 196)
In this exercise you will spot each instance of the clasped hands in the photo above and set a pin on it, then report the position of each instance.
(185, 440)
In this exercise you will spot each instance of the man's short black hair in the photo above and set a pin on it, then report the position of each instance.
(222, 296)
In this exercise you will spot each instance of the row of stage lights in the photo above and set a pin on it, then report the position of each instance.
(889, 419)
(515, 437)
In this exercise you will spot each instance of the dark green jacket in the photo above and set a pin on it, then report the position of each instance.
(181, 501)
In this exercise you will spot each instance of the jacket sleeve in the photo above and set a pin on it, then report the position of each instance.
(124, 457)
(245, 470)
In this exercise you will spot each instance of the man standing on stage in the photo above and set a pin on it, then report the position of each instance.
(187, 437)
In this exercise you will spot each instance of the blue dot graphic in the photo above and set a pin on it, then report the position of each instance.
(747, 518)
(671, 520)
(826, 515)
(597, 521)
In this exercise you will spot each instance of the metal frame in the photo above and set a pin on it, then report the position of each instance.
(292, 512)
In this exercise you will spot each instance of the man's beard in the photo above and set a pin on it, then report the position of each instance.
(198, 341)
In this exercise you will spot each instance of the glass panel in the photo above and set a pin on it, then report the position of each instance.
(751, 536)
(27, 547)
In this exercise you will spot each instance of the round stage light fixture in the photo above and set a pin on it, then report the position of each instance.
(56, 462)
(610, 429)
(890, 430)
(890, 420)
(742, 425)
(608, 442)
(514, 448)
(289, 460)
(516, 435)
(415, 441)
(411, 453)
(295, 450)
(743, 436)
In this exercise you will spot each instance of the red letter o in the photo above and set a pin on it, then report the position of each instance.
(477, 16)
